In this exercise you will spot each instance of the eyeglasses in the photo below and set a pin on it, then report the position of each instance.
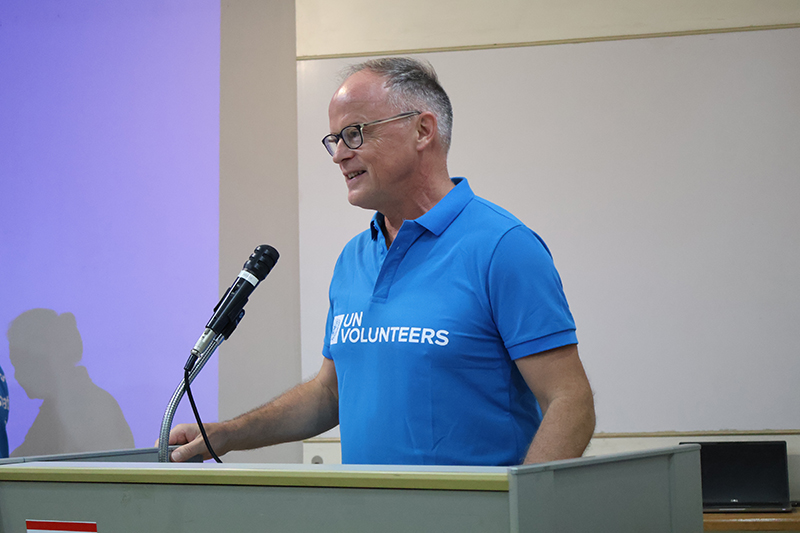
(353, 136)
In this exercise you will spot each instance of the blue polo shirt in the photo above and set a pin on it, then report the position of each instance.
(424, 335)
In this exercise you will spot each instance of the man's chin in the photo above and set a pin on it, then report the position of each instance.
(358, 200)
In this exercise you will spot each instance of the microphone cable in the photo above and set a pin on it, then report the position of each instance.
(227, 314)
(197, 416)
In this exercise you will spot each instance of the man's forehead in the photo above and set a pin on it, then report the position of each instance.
(363, 87)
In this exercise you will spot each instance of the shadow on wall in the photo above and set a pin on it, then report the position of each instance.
(76, 415)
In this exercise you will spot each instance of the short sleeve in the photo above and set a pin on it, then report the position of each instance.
(526, 295)
(326, 346)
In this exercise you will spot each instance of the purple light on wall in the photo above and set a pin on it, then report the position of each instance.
(109, 187)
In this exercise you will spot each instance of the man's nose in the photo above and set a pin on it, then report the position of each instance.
(342, 152)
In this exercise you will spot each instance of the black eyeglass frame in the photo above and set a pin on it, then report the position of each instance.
(331, 141)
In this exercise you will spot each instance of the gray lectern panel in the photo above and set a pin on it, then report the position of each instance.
(137, 508)
(655, 491)
(137, 455)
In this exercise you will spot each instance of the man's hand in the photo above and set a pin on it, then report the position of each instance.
(302, 412)
(192, 440)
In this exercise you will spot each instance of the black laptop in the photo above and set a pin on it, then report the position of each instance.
(745, 476)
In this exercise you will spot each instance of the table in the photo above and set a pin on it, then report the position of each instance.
(752, 521)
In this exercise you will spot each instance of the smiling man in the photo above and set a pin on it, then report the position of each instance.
(449, 339)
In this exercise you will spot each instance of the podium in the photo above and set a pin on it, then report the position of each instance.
(138, 455)
(654, 491)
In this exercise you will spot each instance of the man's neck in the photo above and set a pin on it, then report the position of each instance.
(419, 202)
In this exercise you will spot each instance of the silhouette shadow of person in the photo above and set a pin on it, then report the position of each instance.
(76, 415)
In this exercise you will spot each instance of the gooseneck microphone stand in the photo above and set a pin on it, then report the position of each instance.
(169, 414)
(227, 314)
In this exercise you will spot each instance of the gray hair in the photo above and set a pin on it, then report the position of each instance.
(413, 86)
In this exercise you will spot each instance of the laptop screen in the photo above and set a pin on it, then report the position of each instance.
(744, 473)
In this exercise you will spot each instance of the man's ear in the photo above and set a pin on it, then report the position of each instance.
(427, 129)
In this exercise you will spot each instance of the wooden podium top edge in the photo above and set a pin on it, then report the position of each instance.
(261, 475)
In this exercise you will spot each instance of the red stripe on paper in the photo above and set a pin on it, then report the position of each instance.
(51, 525)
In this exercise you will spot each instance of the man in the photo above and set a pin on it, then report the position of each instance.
(447, 319)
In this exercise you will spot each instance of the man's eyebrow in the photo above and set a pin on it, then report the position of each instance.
(349, 125)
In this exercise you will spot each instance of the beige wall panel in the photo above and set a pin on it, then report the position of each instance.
(357, 27)
(662, 175)
(259, 204)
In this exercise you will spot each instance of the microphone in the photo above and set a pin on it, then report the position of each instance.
(230, 309)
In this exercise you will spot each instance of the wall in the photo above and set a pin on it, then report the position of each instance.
(659, 173)
(147, 148)
(109, 178)
(688, 135)
(259, 204)
(361, 27)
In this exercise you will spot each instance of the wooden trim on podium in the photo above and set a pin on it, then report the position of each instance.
(647, 434)
(464, 481)
(752, 521)
(713, 433)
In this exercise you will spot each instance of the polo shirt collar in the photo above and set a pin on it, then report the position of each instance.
(441, 215)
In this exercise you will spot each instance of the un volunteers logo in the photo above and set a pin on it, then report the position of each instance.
(337, 325)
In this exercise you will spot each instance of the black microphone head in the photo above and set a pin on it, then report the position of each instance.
(261, 261)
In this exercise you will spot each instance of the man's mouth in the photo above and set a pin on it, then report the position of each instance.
(352, 175)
